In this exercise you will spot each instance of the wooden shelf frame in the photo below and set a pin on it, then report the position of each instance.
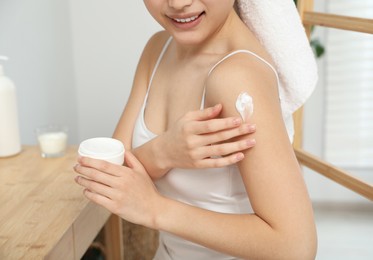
(348, 23)
(356, 24)
(335, 174)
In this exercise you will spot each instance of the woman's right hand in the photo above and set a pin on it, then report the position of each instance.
(200, 139)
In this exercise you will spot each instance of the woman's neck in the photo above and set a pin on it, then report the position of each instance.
(219, 42)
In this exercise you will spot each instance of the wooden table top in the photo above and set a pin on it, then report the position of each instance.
(39, 202)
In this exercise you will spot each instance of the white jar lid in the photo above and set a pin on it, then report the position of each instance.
(101, 148)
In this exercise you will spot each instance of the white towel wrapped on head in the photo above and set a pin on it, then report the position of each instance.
(277, 25)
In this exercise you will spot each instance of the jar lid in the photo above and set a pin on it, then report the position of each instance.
(101, 147)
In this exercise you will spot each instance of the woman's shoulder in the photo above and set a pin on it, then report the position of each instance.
(245, 58)
(151, 52)
(156, 43)
(242, 69)
(159, 38)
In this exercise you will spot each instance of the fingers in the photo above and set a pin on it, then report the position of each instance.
(221, 161)
(133, 163)
(98, 199)
(226, 148)
(216, 125)
(97, 176)
(94, 186)
(205, 114)
(95, 197)
(221, 136)
(223, 154)
(99, 171)
(101, 165)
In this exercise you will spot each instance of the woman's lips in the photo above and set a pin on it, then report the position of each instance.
(187, 22)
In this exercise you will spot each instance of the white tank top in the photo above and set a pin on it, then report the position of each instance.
(215, 189)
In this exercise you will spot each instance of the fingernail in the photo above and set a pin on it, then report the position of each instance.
(239, 156)
(251, 142)
(252, 128)
(216, 107)
(237, 121)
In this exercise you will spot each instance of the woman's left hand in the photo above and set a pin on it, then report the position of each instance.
(126, 191)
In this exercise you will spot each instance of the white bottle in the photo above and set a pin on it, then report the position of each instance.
(10, 143)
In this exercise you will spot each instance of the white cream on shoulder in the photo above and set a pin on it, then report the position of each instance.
(245, 106)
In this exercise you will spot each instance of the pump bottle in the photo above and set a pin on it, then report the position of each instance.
(10, 143)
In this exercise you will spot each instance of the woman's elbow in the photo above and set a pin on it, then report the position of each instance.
(302, 246)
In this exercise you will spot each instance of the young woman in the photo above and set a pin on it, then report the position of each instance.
(212, 190)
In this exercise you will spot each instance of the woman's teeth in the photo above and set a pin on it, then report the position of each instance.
(186, 20)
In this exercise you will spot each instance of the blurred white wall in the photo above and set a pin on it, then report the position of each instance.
(108, 38)
(72, 61)
(36, 36)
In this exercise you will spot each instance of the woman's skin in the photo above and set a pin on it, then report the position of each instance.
(282, 226)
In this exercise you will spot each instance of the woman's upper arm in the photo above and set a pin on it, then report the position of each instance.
(269, 170)
(125, 126)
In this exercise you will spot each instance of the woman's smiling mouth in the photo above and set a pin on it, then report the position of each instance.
(186, 20)
(191, 20)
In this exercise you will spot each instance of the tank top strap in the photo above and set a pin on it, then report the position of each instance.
(157, 64)
(229, 55)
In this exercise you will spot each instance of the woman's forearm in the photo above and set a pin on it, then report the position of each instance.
(246, 236)
(152, 158)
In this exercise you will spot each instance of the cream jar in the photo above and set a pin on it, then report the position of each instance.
(103, 148)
